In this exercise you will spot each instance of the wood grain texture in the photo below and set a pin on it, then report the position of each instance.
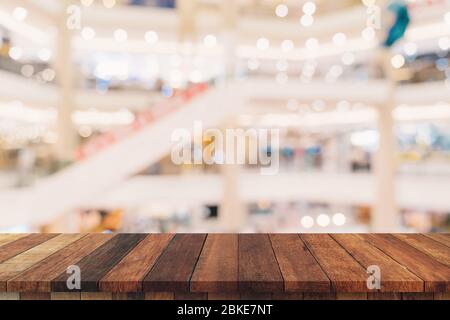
(394, 277)
(435, 275)
(319, 296)
(431, 247)
(417, 296)
(217, 267)
(38, 278)
(384, 296)
(442, 296)
(18, 246)
(21, 262)
(258, 266)
(443, 238)
(287, 296)
(159, 296)
(299, 268)
(96, 296)
(225, 266)
(128, 274)
(190, 296)
(35, 296)
(223, 296)
(9, 296)
(173, 270)
(94, 266)
(65, 296)
(128, 296)
(345, 273)
(10, 237)
(256, 296)
(351, 296)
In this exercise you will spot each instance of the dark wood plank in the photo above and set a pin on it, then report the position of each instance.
(384, 296)
(287, 296)
(299, 268)
(319, 296)
(417, 296)
(217, 267)
(433, 248)
(94, 266)
(128, 296)
(394, 277)
(190, 296)
(35, 296)
(174, 268)
(18, 246)
(38, 278)
(441, 295)
(435, 275)
(159, 296)
(258, 267)
(224, 296)
(345, 273)
(351, 296)
(128, 274)
(10, 237)
(256, 296)
(443, 238)
(17, 264)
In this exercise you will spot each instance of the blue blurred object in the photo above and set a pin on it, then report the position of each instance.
(156, 3)
(398, 29)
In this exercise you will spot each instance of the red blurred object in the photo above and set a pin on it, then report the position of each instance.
(142, 119)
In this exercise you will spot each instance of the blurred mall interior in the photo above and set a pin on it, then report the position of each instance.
(92, 90)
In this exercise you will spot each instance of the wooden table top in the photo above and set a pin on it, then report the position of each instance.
(211, 263)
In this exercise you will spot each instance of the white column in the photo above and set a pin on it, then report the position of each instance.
(232, 211)
(385, 215)
(186, 10)
(64, 68)
(228, 36)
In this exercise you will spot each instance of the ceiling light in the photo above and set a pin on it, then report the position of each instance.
(323, 220)
(281, 10)
(210, 41)
(27, 70)
(307, 222)
(15, 53)
(339, 39)
(151, 37)
(339, 219)
(263, 44)
(48, 74)
(348, 58)
(44, 54)
(444, 43)
(109, 3)
(20, 13)
(368, 34)
(309, 8)
(287, 45)
(120, 35)
(87, 33)
(86, 3)
(253, 64)
(306, 20)
(312, 44)
(397, 61)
